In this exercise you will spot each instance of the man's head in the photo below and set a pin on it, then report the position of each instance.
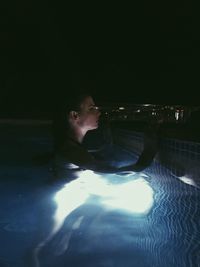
(84, 113)
(77, 111)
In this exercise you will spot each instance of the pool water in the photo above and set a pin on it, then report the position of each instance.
(147, 219)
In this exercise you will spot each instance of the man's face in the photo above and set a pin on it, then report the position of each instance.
(89, 114)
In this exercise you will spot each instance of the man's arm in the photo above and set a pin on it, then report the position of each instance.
(82, 158)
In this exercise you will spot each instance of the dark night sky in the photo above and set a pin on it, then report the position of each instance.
(142, 53)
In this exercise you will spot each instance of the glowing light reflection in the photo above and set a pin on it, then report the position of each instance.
(134, 196)
(187, 180)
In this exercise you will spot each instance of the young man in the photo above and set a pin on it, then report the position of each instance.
(80, 116)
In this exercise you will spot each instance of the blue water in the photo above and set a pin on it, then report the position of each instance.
(94, 234)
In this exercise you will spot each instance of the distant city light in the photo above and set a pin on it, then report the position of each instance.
(177, 115)
(168, 113)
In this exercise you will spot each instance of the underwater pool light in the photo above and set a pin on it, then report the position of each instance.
(135, 196)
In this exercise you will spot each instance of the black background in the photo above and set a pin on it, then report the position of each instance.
(144, 52)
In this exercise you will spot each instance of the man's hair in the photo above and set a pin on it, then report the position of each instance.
(73, 102)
